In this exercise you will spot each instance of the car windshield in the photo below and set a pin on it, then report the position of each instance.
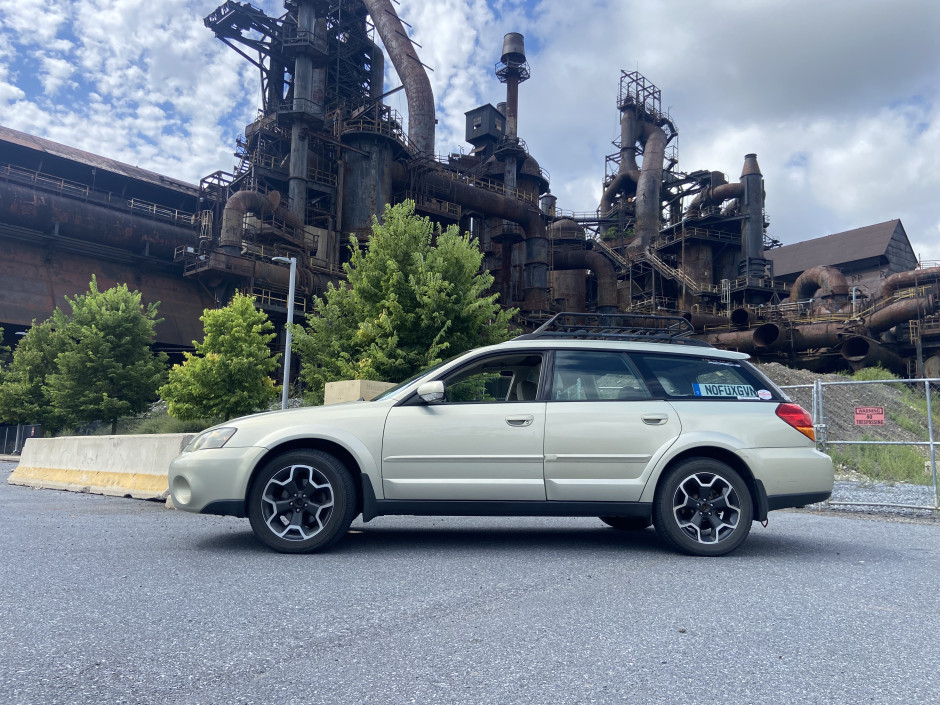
(398, 387)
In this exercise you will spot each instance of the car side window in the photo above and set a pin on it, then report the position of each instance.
(702, 378)
(499, 378)
(595, 376)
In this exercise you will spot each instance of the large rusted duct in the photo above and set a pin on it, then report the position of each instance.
(700, 321)
(905, 280)
(860, 352)
(411, 72)
(899, 312)
(489, 203)
(629, 173)
(715, 194)
(602, 268)
(829, 279)
(233, 216)
(765, 338)
(817, 335)
(741, 317)
(648, 187)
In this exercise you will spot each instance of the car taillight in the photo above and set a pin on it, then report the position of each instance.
(799, 418)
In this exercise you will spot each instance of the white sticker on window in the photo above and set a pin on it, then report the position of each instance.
(764, 394)
(737, 391)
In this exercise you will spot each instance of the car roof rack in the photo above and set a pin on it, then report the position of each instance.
(642, 327)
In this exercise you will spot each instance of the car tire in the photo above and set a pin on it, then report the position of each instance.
(302, 501)
(627, 523)
(703, 507)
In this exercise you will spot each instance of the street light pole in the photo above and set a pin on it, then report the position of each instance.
(290, 320)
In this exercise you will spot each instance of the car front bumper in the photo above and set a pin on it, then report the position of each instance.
(213, 481)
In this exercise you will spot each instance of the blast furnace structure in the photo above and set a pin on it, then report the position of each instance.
(325, 155)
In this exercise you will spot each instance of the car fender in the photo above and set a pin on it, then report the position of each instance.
(686, 442)
(359, 450)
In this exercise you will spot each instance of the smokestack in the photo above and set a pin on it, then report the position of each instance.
(752, 229)
(512, 70)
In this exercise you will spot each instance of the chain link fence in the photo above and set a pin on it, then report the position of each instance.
(11, 442)
(878, 433)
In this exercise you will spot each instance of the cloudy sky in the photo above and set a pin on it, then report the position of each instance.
(838, 98)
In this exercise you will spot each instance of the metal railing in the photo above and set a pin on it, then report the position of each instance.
(887, 414)
(73, 189)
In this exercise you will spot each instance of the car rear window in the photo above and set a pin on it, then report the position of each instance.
(713, 379)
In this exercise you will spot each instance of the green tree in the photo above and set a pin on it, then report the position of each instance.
(229, 374)
(23, 398)
(4, 353)
(413, 297)
(105, 370)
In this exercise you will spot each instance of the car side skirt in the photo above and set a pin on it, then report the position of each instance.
(512, 508)
(782, 501)
(226, 508)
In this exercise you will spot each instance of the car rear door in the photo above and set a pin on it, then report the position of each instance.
(603, 431)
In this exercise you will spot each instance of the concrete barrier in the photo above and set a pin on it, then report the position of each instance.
(353, 389)
(122, 466)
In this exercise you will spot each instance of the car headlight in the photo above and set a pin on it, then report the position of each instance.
(213, 438)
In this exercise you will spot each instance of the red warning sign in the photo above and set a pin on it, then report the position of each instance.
(869, 416)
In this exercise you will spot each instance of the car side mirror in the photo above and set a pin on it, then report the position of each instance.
(432, 392)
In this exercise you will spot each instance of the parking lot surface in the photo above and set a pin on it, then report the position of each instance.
(109, 600)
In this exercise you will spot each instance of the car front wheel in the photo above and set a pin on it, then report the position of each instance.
(302, 501)
(703, 508)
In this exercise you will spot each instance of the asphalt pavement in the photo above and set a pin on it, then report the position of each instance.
(110, 600)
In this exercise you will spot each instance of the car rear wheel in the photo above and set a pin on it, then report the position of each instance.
(627, 523)
(703, 508)
(302, 501)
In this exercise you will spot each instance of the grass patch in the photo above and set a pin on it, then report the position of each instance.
(873, 374)
(883, 463)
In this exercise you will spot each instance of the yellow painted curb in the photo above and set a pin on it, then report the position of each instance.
(137, 485)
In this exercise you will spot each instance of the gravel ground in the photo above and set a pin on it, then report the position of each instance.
(872, 499)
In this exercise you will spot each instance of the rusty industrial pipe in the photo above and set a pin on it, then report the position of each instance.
(741, 317)
(629, 173)
(602, 268)
(905, 280)
(899, 312)
(860, 352)
(700, 321)
(817, 335)
(410, 71)
(489, 203)
(648, 187)
(715, 194)
(233, 216)
(829, 279)
(766, 338)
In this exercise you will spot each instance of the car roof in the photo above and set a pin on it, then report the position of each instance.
(619, 346)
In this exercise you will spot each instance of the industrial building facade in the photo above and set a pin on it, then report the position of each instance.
(326, 154)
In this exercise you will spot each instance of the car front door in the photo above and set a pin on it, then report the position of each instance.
(603, 432)
(482, 442)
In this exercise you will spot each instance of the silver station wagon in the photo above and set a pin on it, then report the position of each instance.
(621, 417)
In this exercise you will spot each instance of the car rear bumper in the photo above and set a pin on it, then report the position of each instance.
(791, 472)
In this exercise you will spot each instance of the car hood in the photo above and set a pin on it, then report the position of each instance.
(273, 427)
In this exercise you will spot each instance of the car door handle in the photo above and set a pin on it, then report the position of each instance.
(655, 419)
(520, 420)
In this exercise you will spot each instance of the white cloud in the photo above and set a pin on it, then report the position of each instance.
(55, 73)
